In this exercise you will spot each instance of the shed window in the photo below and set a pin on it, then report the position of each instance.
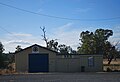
(90, 61)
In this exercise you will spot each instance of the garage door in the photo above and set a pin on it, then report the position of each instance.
(38, 63)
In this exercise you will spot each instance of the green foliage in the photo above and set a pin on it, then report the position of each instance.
(18, 48)
(1, 48)
(64, 49)
(1, 60)
(94, 43)
(3, 57)
(97, 43)
(87, 39)
(10, 57)
(52, 44)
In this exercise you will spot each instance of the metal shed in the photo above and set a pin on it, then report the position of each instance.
(36, 58)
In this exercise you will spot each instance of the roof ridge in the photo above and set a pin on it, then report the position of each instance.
(36, 45)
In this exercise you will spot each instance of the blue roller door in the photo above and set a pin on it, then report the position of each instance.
(38, 63)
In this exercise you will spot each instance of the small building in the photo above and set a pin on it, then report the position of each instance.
(36, 58)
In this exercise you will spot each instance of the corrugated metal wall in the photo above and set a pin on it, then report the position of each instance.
(79, 63)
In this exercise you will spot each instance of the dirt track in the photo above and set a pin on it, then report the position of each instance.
(62, 77)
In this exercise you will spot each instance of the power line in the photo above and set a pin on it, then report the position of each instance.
(51, 16)
(35, 12)
(8, 32)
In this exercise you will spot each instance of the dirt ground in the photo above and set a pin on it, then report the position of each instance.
(63, 77)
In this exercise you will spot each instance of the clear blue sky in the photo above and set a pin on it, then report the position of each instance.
(22, 28)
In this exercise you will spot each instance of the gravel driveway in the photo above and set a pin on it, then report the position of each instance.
(62, 77)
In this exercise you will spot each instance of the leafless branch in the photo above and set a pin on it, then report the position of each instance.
(44, 35)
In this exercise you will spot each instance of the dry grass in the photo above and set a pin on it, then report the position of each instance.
(114, 65)
(11, 69)
(112, 62)
(6, 71)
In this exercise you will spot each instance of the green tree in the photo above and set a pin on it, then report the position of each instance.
(53, 45)
(65, 49)
(18, 48)
(97, 43)
(87, 43)
(112, 53)
(101, 38)
(94, 43)
(2, 56)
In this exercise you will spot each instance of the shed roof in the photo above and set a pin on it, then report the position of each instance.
(75, 54)
(38, 46)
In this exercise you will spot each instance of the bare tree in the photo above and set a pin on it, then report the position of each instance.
(114, 52)
(44, 35)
